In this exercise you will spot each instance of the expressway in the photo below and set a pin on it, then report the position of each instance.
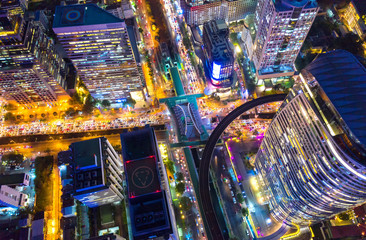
(206, 203)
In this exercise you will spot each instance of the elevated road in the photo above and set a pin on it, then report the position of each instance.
(205, 199)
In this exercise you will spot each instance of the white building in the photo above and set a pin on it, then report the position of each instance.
(11, 197)
(281, 29)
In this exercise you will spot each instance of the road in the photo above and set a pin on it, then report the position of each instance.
(233, 210)
(259, 213)
(55, 146)
(208, 210)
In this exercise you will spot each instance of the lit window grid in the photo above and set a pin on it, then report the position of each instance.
(104, 61)
(307, 181)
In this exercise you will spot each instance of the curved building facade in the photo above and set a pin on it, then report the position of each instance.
(312, 161)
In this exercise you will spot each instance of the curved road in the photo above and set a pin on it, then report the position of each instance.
(206, 203)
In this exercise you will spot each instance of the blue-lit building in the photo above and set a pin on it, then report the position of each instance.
(97, 172)
(218, 53)
(150, 208)
(312, 161)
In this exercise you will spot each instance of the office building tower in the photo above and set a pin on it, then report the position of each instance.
(97, 43)
(311, 162)
(97, 172)
(218, 53)
(353, 15)
(199, 12)
(31, 71)
(281, 28)
(150, 207)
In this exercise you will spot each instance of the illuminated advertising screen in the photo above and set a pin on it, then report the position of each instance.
(216, 71)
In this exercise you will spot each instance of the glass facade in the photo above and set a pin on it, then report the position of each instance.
(101, 52)
(311, 164)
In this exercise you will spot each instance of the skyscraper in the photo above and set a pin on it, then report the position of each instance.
(31, 71)
(150, 206)
(312, 159)
(199, 12)
(97, 172)
(218, 53)
(281, 28)
(98, 44)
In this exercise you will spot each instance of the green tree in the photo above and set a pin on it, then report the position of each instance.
(349, 42)
(117, 147)
(13, 158)
(240, 197)
(180, 188)
(9, 116)
(186, 203)
(10, 107)
(169, 164)
(179, 176)
(43, 167)
(130, 101)
(343, 216)
(88, 105)
(245, 212)
(106, 103)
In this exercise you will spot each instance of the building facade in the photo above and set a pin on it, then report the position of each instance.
(218, 53)
(98, 172)
(353, 15)
(97, 43)
(199, 12)
(281, 28)
(31, 71)
(11, 197)
(311, 162)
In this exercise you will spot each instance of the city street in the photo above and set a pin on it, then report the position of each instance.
(233, 210)
(263, 224)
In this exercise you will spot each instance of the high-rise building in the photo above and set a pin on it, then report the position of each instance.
(98, 172)
(97, 43)
(218, 53)
(150, 204)
(281, 28)
(31, 71)
(311, 162)
(199, 12)
(353, 15)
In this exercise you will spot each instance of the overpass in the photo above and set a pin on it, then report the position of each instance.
(207, 210)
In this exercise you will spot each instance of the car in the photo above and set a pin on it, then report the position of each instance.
(232, 193)
(229, 185)
(234, 200)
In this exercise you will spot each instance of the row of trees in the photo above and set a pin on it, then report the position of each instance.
(43, 188)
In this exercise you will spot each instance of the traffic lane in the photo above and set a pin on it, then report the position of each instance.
(56, 146)
(261, 213)
(233, 210)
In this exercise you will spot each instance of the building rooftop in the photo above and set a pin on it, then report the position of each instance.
(217, 32)
(142, 176)
(343, 79)
(286, 5)
(12, 179)
(87, 154)
(86, 14)
(137, 145)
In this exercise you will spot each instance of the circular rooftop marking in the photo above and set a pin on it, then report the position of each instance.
(142, 177)
(73, 15)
